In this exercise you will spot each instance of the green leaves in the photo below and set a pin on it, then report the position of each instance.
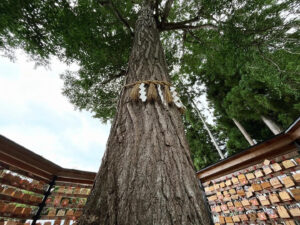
(203, 151)
(249, 66)
(85, 32)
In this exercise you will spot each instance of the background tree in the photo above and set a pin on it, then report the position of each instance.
(203, 151)
(251, 69)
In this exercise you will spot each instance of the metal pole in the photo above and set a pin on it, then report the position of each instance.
(43, 203)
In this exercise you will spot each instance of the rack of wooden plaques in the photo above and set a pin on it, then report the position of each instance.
(36, 191)
(21, 194)
(264, 193)
(64, 204)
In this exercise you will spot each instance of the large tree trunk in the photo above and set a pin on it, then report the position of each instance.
(146, 175)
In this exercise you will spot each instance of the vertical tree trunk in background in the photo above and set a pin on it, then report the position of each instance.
(271, 125)
(243, 131)
(146, 175)
(212, 138)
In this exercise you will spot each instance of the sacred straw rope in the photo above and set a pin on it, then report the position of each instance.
(152, 94)
(149, 82)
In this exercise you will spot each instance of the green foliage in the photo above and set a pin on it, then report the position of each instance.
(203, 152)
(84, 32)
(250, 67)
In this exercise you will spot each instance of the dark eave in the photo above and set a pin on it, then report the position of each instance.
(20, 157)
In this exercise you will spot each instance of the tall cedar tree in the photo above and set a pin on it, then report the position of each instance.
(245, 53)
(251, 69)
(146, 175)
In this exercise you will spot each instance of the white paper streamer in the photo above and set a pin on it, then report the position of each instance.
(176, 99)
(161, 95)
(142, 92)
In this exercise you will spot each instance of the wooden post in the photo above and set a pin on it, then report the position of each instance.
(43, 204)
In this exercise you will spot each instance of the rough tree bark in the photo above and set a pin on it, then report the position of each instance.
(146, 175)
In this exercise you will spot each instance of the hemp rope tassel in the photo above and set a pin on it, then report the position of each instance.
(148, 82)
(182, 110)
(152, 93)
(168, 95)
(134, 94)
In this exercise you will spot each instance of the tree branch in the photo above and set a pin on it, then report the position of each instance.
(122, 73)
(199, 41)
(288, 51)
(156, 8)
(188, 21)
(270, 61)
(274, 63)
(166, 11)
(183, 25)
(118, 15)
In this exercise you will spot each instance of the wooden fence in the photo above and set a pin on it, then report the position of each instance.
(36, 191)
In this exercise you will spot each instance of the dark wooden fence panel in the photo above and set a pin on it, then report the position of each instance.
(34, 190)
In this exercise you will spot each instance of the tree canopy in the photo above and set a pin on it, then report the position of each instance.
(251, 69)
(244, 54)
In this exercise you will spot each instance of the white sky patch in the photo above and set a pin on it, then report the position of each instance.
(207, 112)
(35, 114)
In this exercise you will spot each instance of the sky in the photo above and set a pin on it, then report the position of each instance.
(34, 114)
